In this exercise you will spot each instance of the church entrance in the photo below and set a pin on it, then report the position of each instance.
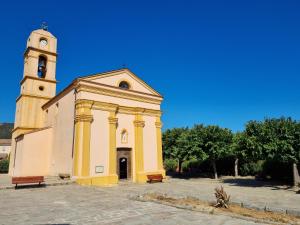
(124, 163)
(123, 168)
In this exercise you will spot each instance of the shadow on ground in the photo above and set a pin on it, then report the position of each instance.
(187, 176)
(30, 186)
(239, 181)
(252, 182)
(56, 224)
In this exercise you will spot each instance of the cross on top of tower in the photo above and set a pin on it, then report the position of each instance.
(44, 26)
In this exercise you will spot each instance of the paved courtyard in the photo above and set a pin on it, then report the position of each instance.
(74, 204)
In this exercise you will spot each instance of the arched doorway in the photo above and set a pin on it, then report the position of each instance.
(123, 168)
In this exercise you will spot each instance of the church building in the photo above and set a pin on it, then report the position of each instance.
(100, 129)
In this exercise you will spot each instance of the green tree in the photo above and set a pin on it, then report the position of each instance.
(169, 138)
(281, 138)
(183, 150)
(238, 150)
(177, 145)
(252, 141)
(196, 137)
(274, 139)
(4, 164)
(216, 144)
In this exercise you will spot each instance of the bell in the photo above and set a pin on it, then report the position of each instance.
(42, 67)
(42, 63)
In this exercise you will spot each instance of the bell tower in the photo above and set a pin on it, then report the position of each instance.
(38, 84)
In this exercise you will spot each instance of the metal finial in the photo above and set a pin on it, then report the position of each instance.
(44, 26)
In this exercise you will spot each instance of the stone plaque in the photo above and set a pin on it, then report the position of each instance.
(99, 169)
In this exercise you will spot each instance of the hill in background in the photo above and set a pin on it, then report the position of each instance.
(6, 130)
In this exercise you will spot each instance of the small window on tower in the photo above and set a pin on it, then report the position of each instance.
(124, 85)
(42, 67)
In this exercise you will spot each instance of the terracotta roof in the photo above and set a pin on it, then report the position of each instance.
(5, 141)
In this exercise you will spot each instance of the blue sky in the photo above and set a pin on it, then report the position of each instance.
(215, 62)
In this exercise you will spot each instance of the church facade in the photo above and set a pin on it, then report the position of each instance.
(99, 129)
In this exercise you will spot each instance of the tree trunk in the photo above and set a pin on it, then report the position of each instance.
(179, 166)
(236, 169)
(215, 169)
(296, 175)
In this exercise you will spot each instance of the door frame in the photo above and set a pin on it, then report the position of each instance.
(125, 153)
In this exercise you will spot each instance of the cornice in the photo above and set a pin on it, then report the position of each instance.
(36, 78)
(105, 106)
(23, 128)
(117, 93)
(119, 71)
(33, 96)
(36, 57)
(103, 89)
(117, 88)
(110, 107)
(39, 50)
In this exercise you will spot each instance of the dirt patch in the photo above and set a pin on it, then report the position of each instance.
(262, 215)
(233, 210)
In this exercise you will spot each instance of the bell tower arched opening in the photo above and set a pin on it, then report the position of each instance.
(42, 66)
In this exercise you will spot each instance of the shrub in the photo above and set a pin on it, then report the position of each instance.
(170, 165)
(225, 166)
(186, 166)
(4, 164)
(194, 165)
(252, 168)
(222, 197)
(277, 170)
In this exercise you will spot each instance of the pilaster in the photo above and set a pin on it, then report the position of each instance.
(139, 151)
(158, 125)
(83, 120)
(113, 121)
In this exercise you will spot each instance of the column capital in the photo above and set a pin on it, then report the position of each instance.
(84, 118)
(112, 120)
(83, 103)
(139, 123)
(158, 124)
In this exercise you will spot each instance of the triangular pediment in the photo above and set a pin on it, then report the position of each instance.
(113, 78)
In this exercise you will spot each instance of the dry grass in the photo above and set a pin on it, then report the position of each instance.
(233, 209)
